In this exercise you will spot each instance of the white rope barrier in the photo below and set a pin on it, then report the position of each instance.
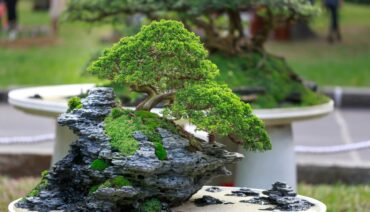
(332, 149)
(298, 149)
(27, 139)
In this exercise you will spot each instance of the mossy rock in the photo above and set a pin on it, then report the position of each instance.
(121, 124)
(74, 103)
(153, 205)
(41, 185)
(280, 85)
(99, 165)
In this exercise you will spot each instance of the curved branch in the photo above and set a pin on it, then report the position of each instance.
(235, 139)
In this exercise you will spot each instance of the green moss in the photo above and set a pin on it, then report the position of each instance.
(116, 112)
(153, 205)
(94, 188)
(160, 151)
(99, 165)
(121, 124)
(270, 73)
(120, 130)
(74, 103)
(42, 184)
(116, 182)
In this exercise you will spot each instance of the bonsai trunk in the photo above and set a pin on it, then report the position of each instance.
(261, 30)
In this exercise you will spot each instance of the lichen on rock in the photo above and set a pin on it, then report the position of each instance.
(96, 176)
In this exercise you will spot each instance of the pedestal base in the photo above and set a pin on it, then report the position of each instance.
(63, 139)
(259, 169)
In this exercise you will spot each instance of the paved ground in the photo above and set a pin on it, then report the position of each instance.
(341, 127)
(16, 123)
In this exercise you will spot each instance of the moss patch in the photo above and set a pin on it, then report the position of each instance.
(121, 124)
(74, 103)
(116, 182)
(99, 165)
(94, 188)
(270, 73)
(153, 205)
(42, 184)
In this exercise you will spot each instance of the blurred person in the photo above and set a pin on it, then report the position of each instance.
(3, 20)
(11, 7)
(333, 7)
(56, 9)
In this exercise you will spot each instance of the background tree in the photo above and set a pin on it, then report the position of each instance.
(221, 24)
(170, 65)
(220, 21)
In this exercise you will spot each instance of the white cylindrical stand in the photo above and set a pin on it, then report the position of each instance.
(52, 104)
(261, 169)
(64, 137)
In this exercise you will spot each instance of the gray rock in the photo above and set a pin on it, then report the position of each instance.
(171, 181)
(207, 200)
(214, 189)
(283, 196)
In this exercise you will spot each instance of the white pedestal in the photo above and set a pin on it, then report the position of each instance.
(261, 169)
(237, 206)
(64, 137)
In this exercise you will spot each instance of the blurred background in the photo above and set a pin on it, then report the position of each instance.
(45, 42)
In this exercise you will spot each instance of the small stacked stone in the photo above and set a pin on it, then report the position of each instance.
(283, 196)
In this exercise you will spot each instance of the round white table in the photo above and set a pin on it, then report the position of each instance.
(256, 170)
(237, 206)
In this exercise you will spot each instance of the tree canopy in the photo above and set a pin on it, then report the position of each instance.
(170, 65)
(220, 21)
(160, 59)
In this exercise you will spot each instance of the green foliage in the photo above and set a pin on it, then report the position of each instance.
(163, 55)
(99, 165)
(274, 76)
(121, 128)
(100, 10)
(169, 63)
(152, 205)
(116, 182)
(215, 109)
(42, 184)
(74, 103)
(283, 10)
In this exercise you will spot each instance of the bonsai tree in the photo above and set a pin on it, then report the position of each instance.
(242, 59)
(169, 64)
(135, 160)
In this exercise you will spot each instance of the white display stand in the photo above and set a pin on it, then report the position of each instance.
(236, 207)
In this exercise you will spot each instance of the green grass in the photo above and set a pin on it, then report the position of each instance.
(346, 63)
(338, 198)
(54, 64)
